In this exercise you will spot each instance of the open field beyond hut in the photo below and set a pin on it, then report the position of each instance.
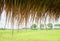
(30, 35)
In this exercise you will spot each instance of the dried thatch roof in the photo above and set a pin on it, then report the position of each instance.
(23, 9)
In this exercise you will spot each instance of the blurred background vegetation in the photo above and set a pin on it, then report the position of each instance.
(48, 26)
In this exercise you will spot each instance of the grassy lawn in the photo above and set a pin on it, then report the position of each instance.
(30, 35)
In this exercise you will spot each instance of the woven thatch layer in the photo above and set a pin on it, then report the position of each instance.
(23, 9)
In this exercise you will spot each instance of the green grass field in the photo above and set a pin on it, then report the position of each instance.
(30, 35)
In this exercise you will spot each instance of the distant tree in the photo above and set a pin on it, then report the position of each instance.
(34, 26)
(50, 25)
(58, 25)
(2, 28)
(41, 26)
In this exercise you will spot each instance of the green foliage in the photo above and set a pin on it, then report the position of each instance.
(50, 25)
(57, 25)
(2, 28)
(41, 26)
(34, 26)
(56, 28)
